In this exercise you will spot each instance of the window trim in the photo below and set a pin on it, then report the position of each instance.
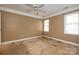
(65, 23)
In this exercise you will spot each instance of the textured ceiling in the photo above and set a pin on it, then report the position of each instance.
(46, 10)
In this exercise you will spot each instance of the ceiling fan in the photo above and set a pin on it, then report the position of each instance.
(35, 8)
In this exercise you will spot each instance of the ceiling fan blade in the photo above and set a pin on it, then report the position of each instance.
(29, 5)
(42, 11)
(39, 11)
(41, 5)
(29, 10)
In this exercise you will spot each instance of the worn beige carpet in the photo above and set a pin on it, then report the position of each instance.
(39, 46)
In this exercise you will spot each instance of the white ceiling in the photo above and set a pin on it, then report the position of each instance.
(49, 9)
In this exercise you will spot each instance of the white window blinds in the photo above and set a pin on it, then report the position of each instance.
(71, 23)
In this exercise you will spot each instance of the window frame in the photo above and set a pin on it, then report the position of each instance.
(66, 24)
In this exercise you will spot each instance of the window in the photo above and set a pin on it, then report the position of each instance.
(46, 25)
(71, 25)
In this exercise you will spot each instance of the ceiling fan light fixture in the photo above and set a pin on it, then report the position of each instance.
(36, 8)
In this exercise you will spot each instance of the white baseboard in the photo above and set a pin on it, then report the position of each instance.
(67, 42)
(8, 42)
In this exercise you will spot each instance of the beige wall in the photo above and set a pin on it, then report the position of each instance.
(78, 50)
(16, 26)
(56, 29)
(0, 27)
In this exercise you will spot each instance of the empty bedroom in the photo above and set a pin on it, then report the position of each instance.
(39, 29)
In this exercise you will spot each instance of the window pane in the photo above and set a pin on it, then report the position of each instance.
(72, 18)
(46, 22)
(46, 28)
(46, 25)
(72, 29)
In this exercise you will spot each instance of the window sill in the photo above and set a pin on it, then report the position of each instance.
(71, 34)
